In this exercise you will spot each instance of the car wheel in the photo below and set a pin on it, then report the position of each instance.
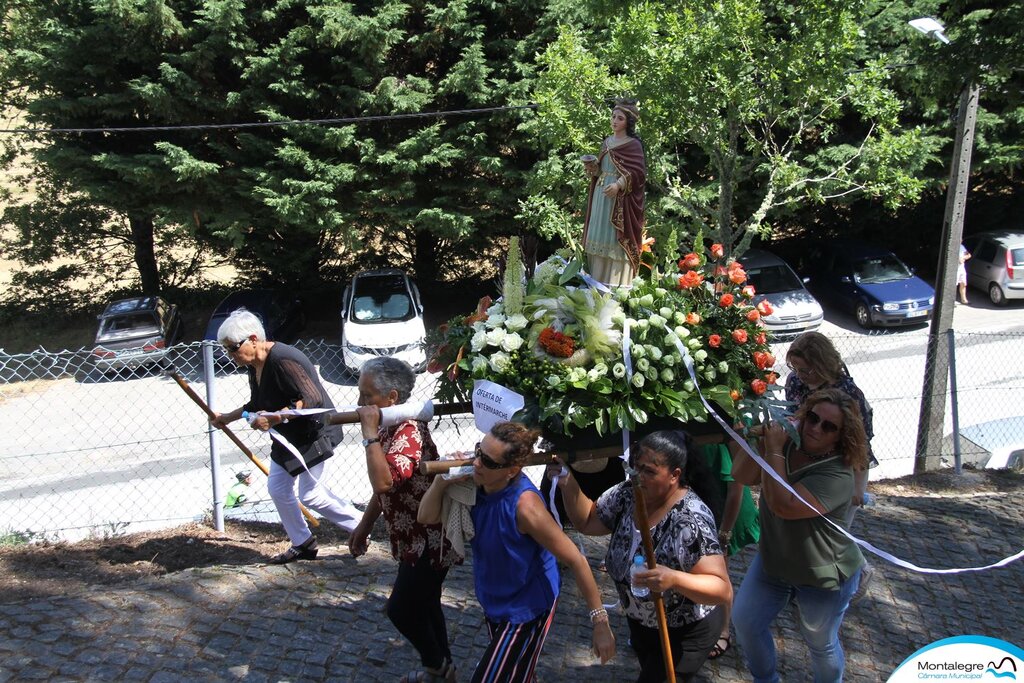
(995, 294)
(863, 315)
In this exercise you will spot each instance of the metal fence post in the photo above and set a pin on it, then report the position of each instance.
(209, 375)
(951, 336)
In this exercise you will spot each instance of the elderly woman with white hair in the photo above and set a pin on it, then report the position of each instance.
(282, 377)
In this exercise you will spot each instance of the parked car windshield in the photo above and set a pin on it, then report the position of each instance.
(773, 279)
(880, 269)
(134, 323)
(381, 299)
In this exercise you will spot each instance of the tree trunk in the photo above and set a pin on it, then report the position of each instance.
(145, 254)
(425, 258)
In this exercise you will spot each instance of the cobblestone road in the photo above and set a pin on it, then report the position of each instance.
(324, 620)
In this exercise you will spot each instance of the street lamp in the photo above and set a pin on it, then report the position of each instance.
(936, 373)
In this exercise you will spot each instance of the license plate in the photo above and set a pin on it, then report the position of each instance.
(127, 353)
(917, 314)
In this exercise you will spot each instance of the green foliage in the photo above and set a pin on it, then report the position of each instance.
(747, 110)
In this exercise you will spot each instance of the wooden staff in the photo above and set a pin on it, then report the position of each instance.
(643, 523)
(352, 417)
(231, 435)
(569, 457)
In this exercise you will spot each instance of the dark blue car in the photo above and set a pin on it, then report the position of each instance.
(870, 283)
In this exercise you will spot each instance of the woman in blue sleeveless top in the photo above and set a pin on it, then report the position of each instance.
(515, 546)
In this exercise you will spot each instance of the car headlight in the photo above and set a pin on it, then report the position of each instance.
(931, 300)
(890, 307)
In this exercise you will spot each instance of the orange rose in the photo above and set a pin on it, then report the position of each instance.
(690, 279)
(763, 360)
(753, 316)
(761, 338)
(765, 308)
(714, 341)
(692, 318)
(758, 386)
(771, 378)
(735, 395)
(739, 336)
(725, 301)
(737, 275)
(689, 262)
(749, 292)
(717, 250)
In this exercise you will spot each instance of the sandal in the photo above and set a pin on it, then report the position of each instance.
(720, 648)
(307, 551)
(444, 674)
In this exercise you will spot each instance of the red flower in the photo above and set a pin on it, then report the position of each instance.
(481, 311)
(735, 395)
(689, 262)
(737, 275)
(692, 318)
(555, 343)
(758, 386)
(749, 292)
(765, 308)
(717, 251)
(436, 363)
(761, 338)
(739, 336)
(763, 360)
(714, 341)
(720, 271)
(753, 316)
(690, 279)
(771, 378)
(725, 301)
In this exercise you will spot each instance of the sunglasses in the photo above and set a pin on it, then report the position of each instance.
(233, 348)
(487, 461)
(827, 426)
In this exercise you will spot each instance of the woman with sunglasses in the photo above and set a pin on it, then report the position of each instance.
(515, 548)
(690, 571)
(816, 364)
(424, 555)
(282, 377)
(802, 556)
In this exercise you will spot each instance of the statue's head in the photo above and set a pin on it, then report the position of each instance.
(630, 111)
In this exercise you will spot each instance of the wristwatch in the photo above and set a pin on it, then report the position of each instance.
(367, 442)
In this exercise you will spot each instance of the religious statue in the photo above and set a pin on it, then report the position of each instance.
(613, 230)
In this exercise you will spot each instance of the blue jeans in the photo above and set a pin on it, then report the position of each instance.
(759, 601)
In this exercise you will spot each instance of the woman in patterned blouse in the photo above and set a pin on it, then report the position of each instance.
(690, 570)
(424, 555)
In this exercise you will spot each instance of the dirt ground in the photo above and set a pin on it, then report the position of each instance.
(46, 568)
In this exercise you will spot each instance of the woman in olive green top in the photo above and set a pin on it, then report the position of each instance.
(801, 555)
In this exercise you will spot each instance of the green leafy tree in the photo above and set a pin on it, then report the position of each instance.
(749, 109)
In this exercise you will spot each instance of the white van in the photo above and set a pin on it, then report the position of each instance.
(382, 315)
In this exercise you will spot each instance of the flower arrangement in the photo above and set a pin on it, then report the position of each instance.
(560, 342)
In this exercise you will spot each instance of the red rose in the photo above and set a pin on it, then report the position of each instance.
(765, 308)
(689, 262)
(753, 315)
(771, 378)
(749, 292)
(763, 360)
(761, 338)
(739, 336)
(690, 279)
(758, 386)
(720, 271)
(725, 301)
(714, 341)
(737, 275)
(735, 395)
(692, 318)
(717, 251)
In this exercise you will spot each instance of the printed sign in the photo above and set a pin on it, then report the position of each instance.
(964, 658)
(493, 403)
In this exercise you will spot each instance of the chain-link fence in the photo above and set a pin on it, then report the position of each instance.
(88, 453)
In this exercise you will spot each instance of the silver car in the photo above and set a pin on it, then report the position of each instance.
(136, 332)
(795, 310)
(996, 265)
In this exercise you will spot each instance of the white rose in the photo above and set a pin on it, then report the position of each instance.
(723, 367)
(688, 385)
(638, 380)
(496, 308)
(642, 364)
(654, 352)
(651, 373)
(618, 370)
(655, 321)
(478, 364)
(701, 355)
(516, 322)
(694, 344)
(679, 317)
(496, 320)
(554, 381)
(478, 342)
(667, 376)
(500, 361)
(479, 326)
(710, 374)
(495, 337)
(638, 350)
(682, 332)
(511, 342)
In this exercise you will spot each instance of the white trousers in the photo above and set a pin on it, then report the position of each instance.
(313, 495)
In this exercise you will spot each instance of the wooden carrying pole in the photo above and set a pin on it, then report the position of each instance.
(234, 439)
(352, 417)
(442, 466)
(642, 522)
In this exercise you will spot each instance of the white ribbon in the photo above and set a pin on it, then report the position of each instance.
(688, 361)
(627, 360)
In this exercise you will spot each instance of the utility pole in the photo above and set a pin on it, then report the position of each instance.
(936, 373)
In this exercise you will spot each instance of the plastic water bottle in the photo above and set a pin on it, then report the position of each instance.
(460, 471)
(638, 566)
